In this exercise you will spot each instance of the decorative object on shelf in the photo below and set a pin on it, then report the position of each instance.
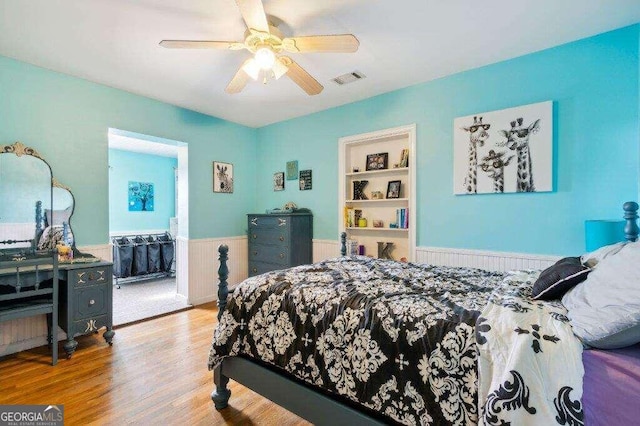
(404, 158)
(525, 130)
(290, 206)
(357, 214)
(352, 247)
(140, 197)
(292, 170)
(362, 222)
(358, 189)
(384, 250)
(378, 224)
(393, 189)
(378, 161)
(393, 225)
(600, 233)
(377, 195)
(355, 169)
(222, 177)
(348, 217)
(278, 181)
(305, 180)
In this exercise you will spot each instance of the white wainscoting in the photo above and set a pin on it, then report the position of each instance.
(491, 260)
(204, 264)
(325, 249)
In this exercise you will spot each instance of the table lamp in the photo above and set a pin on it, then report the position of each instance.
(599, 233)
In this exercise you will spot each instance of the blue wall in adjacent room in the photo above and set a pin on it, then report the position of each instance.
(126, 166)
(594, 86)
(67, 120)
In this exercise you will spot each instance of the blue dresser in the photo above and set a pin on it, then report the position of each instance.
(279, 241)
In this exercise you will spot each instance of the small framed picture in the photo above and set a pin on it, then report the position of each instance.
(378, 161)
(393, 189)
(278, 181)
(222, 177)
(305, 180)
(404, 158)
(292, 170)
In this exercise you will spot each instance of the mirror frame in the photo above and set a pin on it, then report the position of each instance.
(19, 149)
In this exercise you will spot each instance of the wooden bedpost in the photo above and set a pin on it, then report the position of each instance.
(631, 229)
(343, 243)
(220, 396)
(223, 274)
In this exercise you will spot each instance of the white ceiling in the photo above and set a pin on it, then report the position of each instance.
(402, 42)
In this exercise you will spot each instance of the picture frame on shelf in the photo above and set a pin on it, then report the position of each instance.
(404, 158)
(393, 189)
(378, 161)
(278, 181)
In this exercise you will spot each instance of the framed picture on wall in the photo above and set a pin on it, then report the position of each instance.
(141, 197)
(278, 181)
(292, 170)
(222, 177)
(305, 180)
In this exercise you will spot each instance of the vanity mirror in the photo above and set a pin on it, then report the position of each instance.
(36, 209)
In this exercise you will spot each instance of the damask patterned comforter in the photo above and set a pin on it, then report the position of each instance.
(397, 338)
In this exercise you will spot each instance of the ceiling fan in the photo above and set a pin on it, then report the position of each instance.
(267, 43)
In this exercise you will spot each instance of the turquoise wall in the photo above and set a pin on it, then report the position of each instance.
(594, 86)
(593, 83)
(126, 166)
(67, 120)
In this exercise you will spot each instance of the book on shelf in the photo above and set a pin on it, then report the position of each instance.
(402, 218)
(348, 217)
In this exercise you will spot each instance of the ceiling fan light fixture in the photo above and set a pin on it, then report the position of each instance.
(265, 57)
(252, 68)
(279, 69)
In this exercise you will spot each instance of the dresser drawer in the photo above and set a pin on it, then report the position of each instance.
(91, 301)
(90, 276)
(273, 222)
(89, 325)
(257, 268)
(276, 237)
(269, 253)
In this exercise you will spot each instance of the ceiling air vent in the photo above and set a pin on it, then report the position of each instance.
(349, 77)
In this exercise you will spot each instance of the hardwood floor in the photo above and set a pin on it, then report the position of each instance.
(155, 373)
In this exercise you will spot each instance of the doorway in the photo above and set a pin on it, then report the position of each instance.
(148, 225)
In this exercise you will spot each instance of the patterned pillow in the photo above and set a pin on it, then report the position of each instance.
(51, 236)
(559, 278)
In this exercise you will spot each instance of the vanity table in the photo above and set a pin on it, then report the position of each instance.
(35, 217)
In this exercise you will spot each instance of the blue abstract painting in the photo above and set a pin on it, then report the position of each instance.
(140, 197)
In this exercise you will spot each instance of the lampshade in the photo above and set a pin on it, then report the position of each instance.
(599, 233)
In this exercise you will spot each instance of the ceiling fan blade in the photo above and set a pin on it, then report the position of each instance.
(253, 14)
(195, 44)
(302, 78)
(239, 80)
(340, 43)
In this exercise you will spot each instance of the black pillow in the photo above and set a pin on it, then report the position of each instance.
(559, 278)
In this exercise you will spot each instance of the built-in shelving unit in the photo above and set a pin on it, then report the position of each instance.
(352, 168)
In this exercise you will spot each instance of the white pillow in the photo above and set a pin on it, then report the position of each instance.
(593, 258)
(605, 309)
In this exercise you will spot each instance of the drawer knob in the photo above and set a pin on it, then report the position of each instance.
(92, 302)
(255, 253)
(281, 255)
(281, 238)
(254, 236)
(254, 270)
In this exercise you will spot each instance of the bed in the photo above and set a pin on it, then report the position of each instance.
(355, 340)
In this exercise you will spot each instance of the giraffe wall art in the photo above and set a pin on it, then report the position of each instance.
(509, 150)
